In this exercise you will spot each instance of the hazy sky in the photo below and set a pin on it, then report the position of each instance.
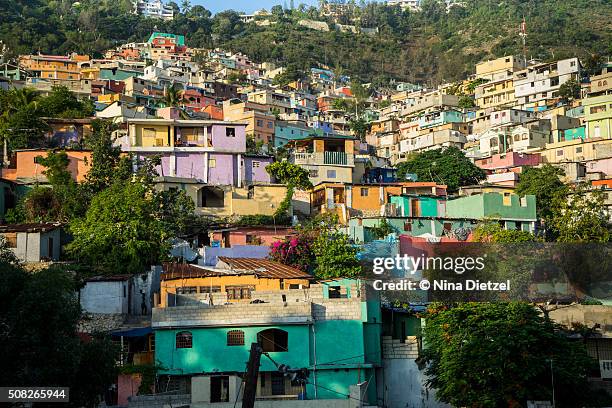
(247, 6)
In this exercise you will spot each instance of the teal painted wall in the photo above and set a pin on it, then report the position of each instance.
(119, 75)
(419, 226)
(491, 205)
(343, 350)
(429, 205)
(575, 133)
(210, 350)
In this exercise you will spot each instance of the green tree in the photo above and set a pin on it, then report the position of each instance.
(545, 184)
(121, 231)
(446, 166)
(580, 216)
(498, 354)
(173, 96)
(493, 232)
(107, 162)
(466, 102)
(39, 313)
(569, 90)
(294, 177)
(335, 256)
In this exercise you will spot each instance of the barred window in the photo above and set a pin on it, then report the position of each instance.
(184, 340)
(235, 338)
(210, 289)
(187, 290)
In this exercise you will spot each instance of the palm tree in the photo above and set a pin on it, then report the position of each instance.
(21, 98)
(172, 96)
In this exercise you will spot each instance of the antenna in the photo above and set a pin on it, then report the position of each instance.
(523, 35)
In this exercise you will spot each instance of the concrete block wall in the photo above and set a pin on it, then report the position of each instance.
(232, 314)
(395, 349)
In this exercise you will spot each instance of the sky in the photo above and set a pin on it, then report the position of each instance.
(248, 6)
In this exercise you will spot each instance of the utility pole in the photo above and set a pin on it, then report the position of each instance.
(250, 381)
(552, 381)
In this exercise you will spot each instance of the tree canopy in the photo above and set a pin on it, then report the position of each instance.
(444, 166)
(499, 354)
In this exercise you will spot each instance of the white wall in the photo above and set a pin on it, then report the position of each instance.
(105, 297)
(403, 386)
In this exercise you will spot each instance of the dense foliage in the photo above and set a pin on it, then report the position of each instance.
(39, 314)
(444, 166)
(499, 354)
(431, 45)
(545, 184)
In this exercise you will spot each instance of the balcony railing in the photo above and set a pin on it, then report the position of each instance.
(324, 158)
(338, 158)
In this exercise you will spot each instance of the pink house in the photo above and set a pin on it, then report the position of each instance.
(508, 161)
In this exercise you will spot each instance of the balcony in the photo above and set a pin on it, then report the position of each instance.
(324, 158)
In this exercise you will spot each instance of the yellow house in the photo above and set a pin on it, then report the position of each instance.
(576, 150)
(598, 116)
(500, 67)
(228, 201)
(230, 280)
(494, 94)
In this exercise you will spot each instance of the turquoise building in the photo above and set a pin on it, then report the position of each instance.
(332, 328)
(574, 133)
(284, 132)
(438, 118)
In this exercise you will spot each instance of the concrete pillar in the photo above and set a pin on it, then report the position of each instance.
(239, 164)
(357, 394)
(206, 167)
(235, 388)
(200, 389)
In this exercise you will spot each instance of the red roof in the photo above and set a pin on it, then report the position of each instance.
(264, 268)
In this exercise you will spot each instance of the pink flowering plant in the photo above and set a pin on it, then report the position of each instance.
(294, 251)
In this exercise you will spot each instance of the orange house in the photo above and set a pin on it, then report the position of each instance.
(215, 112)
(55, 66)
(365, 199)
(25, 165)
(231, 280)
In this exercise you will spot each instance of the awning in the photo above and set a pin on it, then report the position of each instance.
(137, 332)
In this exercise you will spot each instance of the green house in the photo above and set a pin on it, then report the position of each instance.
(514, 211)
(332, 328)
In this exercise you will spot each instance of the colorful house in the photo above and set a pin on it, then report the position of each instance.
(25, 165)
(208, 151)
(598, 116)
(511, 210)
(328, 159)
(226, 200)
(295, 326)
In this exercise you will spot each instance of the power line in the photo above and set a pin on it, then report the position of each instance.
(338, 392)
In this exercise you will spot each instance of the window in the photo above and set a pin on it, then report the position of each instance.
(235, 338)
(335, 292)
(212, 163)
(38, 159)
(493, 143)
(525, 136)
(313, 173)
(597, 109)
(270, 125)
(239, 292)
(408, 227)
(11, 239)
(517, 138)
(560, 152)
(275, 340)
(364, 192)
(259, 122)
(210, 289)
(255, 164)
(230, 132)
(183, 340)
(253, 239)
(331, 173)
(187, 290)
(579, 150)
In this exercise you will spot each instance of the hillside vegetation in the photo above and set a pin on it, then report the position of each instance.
(432, 45)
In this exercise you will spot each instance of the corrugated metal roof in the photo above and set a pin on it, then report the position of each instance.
(264, 268)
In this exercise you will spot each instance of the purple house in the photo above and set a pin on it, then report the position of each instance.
(211, 152)
(255, 169)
